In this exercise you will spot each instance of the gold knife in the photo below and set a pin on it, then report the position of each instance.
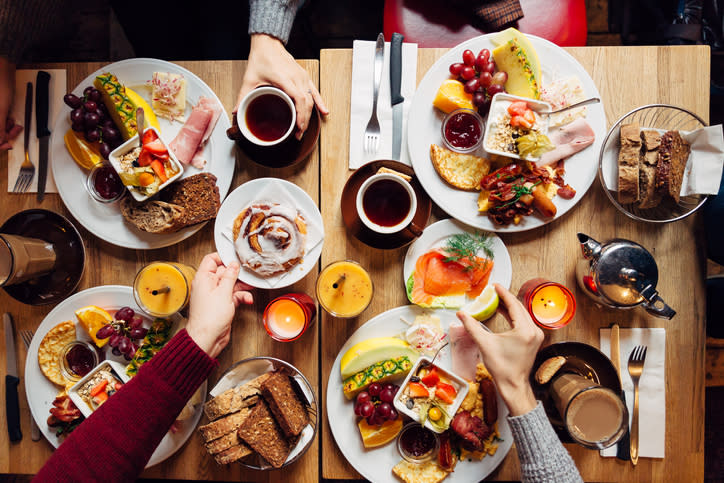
(623, 449)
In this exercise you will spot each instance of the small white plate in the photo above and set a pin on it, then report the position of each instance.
(241, 197)
(437, 234)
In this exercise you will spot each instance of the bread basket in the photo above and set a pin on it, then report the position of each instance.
(661, 117)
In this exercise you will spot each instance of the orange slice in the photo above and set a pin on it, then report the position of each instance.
(451, 95)
(374, 436)
(92, 318)
(83, 152)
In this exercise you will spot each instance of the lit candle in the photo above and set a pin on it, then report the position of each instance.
(550, 304)
(287, 317)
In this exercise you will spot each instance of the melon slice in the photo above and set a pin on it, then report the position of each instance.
(513, 59)
(510, 33)
(368, 352)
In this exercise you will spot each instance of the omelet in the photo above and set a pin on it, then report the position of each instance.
(50, 349)
(464, 171)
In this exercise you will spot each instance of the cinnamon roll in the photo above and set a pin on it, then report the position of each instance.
(269, 238)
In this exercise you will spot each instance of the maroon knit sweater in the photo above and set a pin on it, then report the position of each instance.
(117, 440)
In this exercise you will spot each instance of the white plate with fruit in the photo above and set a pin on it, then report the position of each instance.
(376, 463)
(104, 219)
(41, 392)
(424, 129)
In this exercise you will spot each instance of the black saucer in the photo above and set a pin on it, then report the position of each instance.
(359, 230)
(581, 359)
(56, 229)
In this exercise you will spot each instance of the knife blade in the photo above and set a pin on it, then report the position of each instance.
(28, 115)
(12, 408)
(42, 83)
(396, 98)
(623, 447)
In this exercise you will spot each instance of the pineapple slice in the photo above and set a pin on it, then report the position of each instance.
(120, 107)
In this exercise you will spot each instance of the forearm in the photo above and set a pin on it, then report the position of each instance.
(542, 456)
(272, 17)
(117, 440)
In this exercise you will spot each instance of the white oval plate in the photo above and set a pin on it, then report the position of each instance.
(104, 220)
(40, 392)
(376, 464)
(424, 129)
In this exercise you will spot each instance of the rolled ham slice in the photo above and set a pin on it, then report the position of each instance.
(569, 139)
(188, 145)
(464, 351)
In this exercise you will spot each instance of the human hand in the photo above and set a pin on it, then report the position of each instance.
(215, 295)
(8, 129)
(509, 356)
(271, 64)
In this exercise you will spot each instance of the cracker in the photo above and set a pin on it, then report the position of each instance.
(464, 171)
(549, 368)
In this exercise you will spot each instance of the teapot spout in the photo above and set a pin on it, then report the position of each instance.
(590, 248)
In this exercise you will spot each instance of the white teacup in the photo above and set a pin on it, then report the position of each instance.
(387, 208)
(283, 131)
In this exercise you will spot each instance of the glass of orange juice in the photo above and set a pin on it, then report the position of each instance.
(344, 289)
(550, 304)
(288, 317)
(163, 288)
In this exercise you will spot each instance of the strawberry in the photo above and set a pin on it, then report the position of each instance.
(156, 147)
(149, 136)
(431, 378)
(145, 158)
(416, 389)
(445, 392)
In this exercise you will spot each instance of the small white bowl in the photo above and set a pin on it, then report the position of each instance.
(460, 383)
(115, 367)
(498, 105)
(115, 159)
(258, 92)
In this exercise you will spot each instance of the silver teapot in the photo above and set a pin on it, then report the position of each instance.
(620, 274)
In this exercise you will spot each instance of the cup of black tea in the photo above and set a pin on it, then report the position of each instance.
(266, 116)
(386, 203)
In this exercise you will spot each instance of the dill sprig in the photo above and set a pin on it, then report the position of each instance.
(467, 245)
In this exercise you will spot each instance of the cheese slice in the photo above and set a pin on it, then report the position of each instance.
(168, 98)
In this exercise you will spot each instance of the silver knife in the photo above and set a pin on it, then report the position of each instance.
(42, 105)
(11, 381)
(396, 98)
(623, 446)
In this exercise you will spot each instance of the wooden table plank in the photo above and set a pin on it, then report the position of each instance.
(107, 264)
(627, 77)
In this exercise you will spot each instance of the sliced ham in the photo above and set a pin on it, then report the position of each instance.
(188, 145)
(464, 351)
(568, 140)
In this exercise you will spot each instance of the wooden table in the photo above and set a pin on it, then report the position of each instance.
(627, 77)
(107, 264)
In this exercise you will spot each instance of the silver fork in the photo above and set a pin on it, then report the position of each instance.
(27, 336)
(635, 368)
(372, 131)
(27, 169)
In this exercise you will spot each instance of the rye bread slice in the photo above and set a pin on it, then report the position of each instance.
(284, 403)
(648, 197)
(262, 433)
(235, 399)
(628, 164)
(673, 155)
(225, 425)
(153, 216)
(197, 194)
(234, 453)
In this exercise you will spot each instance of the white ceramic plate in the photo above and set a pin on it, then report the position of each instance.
(424, 129)
(40, 392)
(104, 220)
(258, 189)
(436, 236)
(376, 464)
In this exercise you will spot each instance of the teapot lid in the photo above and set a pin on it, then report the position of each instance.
(624, 269)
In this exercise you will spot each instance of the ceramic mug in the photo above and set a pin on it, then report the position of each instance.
(386, 204)
(266, 116)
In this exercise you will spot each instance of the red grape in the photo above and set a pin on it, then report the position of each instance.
(467, 73)
(91, 120)
(383, 411)
(387, 395)
(485, 79)
(472, 85)
(105, 150)
(78, 126)
(90, 106)
(93, 135)
(87, 91)
(393, 414)
(363, 397)
(375, 389)
(114, 340)
(490, 67)
(469, 58)
(138, 332)
(95, 95)
(494, 89)
(366, 409)
(76, 115)
(72, 101)
(105, 332)
(123, 344)
(390, 386)
(357, 410)
(500, 77)
(125, 314)
(136, 320)
(478, 99)
(456, 68)
(485, 54)
(115, 351)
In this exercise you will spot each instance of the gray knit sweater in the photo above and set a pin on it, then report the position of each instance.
(273, 17)
(542, 456)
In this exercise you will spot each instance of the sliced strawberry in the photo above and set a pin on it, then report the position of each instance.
(149, 136)
(416, 389)
(529, 116)
(431, 378)
(445, 392)
(156, 147)
(517, 108)
(162, 157)
(520, 121)
(158, 168)
(145, 158)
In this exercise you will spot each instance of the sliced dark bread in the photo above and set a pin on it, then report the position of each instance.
(628, 164)
(673, 154)
(153, 216)
(648, 197)
(284, 403)
(234, 453)
(234, 399)
(197, 194)
(225, 425)
(261, 431)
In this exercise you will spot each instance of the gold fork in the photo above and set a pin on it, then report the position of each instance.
(635, 368)
(27, 169)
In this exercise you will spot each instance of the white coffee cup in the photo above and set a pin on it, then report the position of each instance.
(400, 219)
(241, 115)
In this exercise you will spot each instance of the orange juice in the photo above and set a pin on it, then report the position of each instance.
(287, 317)
(344, 289)
(163, 288)
(550, 304)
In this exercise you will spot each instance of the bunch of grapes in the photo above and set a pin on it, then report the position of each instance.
(375, 404)
(90, 116)
(125, 328)
(480, 78)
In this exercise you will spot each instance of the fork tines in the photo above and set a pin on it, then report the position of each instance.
(638, 353)
(27, 336)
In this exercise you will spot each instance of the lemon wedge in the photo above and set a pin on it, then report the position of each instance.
(484, 306)
(92, 318)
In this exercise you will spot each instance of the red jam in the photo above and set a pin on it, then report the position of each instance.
(462, 130)
(80, 360)
(107, 183)
(417, 441)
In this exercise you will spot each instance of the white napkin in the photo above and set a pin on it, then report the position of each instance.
(275, 192)
(363, 55)
(16, 156)
(652, 387)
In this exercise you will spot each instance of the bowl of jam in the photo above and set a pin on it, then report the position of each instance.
(416, 443)
(77, 359)
(104, 184)
(462, 130)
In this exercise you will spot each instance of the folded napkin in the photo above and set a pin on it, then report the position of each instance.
(275, 192)
(363, 55)
(652, 387)
(16, 156)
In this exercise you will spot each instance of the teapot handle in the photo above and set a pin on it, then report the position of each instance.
(655, 305)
